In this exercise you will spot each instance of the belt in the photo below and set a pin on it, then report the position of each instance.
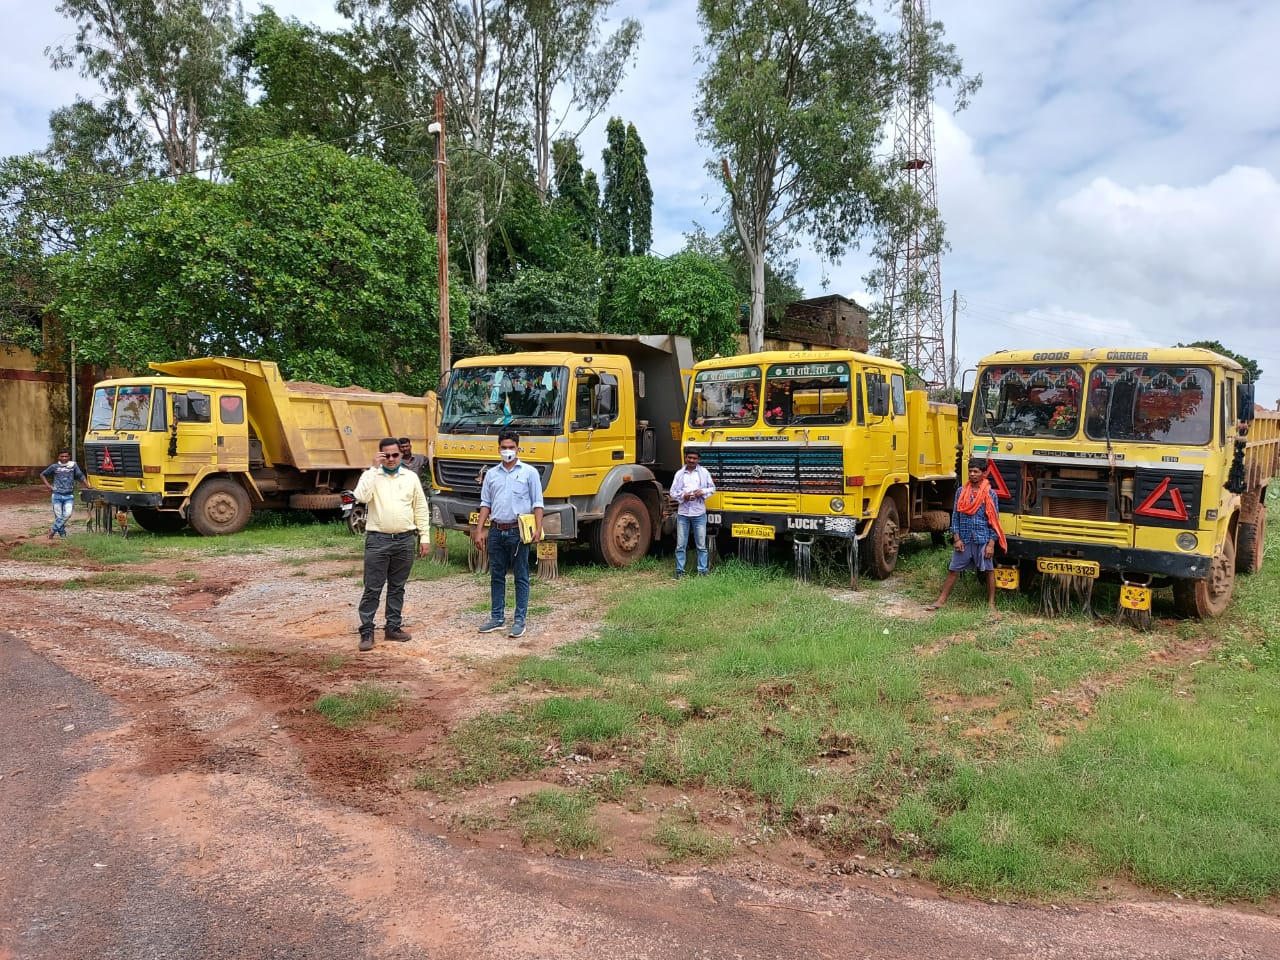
(507, 526)
(394, 536)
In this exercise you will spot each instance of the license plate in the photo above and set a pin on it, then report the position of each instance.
(752, 531)
(473, 518)
(1072, 568)
(1135, 598)
(1007, 578)
(546, 550)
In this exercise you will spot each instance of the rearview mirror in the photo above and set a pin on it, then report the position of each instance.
(966, 402)
(1244, 402)
(878, 397)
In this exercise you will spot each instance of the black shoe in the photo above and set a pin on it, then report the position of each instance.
(366, 639)
(395, 633)
(679, 575)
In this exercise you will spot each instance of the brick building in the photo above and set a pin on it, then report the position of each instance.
(832, 322)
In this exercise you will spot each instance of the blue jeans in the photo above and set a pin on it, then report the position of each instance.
(699, 527)
(508, 553)
(64, 504)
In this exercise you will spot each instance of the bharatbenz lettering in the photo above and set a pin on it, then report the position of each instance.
(1144, 467)
(821, 444)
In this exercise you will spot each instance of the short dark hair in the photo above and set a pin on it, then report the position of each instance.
(64, 450)
(977, 463)
(509, 434)
(404, 441)
(388, 442)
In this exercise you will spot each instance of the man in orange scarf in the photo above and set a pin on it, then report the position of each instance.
(975, 525)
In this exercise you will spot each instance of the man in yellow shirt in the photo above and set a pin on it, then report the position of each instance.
(396, 521)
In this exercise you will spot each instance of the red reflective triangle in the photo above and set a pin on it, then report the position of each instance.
(997, 482)
(1149, 508)
(106, 460)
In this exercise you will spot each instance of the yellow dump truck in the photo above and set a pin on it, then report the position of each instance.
(220, 437)
(821, 444)
(598, 417)
(1145, 467)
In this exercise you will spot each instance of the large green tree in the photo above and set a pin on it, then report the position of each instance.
(780, 286)
(163, 70)
(688, 294)
(1252, 372)
(576, 191)
(792, 105)
(307, 256)
(626, 206)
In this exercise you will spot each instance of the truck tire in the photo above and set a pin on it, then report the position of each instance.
(1251, 538)
(316, 501)
(884, 540)
(623, 536)
(1203, 599)
(158, 521)
(219, 506)
(357, 517)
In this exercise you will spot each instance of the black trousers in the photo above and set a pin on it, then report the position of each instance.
(388, 558)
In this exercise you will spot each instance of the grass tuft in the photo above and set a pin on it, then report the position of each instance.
(362, 705)
(562, 819)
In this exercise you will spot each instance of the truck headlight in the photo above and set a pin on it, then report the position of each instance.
(437, 516)
(837, 505)
(1187, 541)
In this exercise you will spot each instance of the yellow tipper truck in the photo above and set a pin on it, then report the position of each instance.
(822, 443)
(598, 417)
(1148, 468)
(220, 437)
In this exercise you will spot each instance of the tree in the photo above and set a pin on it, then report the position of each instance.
(793, 103)
(162, 67)
(308, 257)
(576, 192)
(780, 286)
(1252, 372)
(571, 70)
(626, 208)
(688, 294)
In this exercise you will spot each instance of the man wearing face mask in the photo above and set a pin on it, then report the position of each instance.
(396, 522)
(508, 491)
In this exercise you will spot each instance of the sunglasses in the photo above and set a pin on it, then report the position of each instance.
(392, 456)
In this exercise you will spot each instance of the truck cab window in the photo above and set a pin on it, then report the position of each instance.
(898, 386)
(191, 407)
(104, 406)
(1155, 404)
(158, 411)
(133, 407)
(817, 393)
(725, 397)
(484, 399)
(584, 388)
(1028, 400)
(231, 409)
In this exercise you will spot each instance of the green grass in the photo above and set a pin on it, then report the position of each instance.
(362, 705)
(112, 580)
(1024, 758)
(681, 837)
(559, 818)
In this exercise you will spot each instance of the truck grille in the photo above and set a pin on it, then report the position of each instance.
(1061, 528)
(117, 460)
(1073, 509)
(460, 475)
(776, 471)
(770, 502)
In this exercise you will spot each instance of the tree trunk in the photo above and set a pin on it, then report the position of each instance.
(755, 325)
(480, 269)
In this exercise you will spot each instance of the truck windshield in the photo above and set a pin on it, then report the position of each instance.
(1028, 400)
(1154, 404)
(486, 399)
(104, 405)
(725, 397)
(806, 393)
(133, 407)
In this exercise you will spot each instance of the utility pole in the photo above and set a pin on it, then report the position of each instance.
(951, 367)
(442, 236)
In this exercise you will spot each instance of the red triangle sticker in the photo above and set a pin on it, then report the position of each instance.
(107, 465)
(997, 482)
(1148, 507)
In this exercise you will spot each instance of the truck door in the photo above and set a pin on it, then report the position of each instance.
(232, 440)
(878, 437)
(192, 426)
(899, 441)
(597, 430)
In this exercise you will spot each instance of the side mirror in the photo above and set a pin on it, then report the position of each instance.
(1244, 402)
(181, 409)
(606, 402)
(878, 398)
(966, 403)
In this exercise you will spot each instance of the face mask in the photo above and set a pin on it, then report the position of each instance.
(386, 469)
(507, 455)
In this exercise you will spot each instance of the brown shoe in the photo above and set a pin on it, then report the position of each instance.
(366, 640)
(395, 633)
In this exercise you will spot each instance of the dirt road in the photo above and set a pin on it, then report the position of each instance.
(166, 790)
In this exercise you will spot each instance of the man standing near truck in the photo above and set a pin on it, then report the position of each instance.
(409, 459)
(509, 490)
(690, 490)
(66, 474)
(975, 525)
(397, 521)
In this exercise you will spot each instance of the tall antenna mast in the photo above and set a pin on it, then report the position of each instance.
(913, 278)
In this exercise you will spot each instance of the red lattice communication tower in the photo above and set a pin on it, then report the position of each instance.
(913, 278)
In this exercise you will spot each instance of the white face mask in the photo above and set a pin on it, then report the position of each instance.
(507, 455)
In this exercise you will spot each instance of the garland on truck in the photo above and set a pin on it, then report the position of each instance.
(1237, 479)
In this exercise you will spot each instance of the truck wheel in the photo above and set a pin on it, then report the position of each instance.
(1202, 599)
(158, 521)
(1252, 536)
(884, 541)
(220, 506)
(329, 502)
(357, 517)
(623, 536)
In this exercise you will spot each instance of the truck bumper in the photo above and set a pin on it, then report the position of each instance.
(786, 524)
(1160, 563)
(123, 499)
(559, 520)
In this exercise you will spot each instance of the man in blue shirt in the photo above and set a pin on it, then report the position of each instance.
(510, 489)
(66, 474)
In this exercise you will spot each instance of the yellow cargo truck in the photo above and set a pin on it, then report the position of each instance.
(220, 437)
(598, 417)
(1144, 467)
(822, 444)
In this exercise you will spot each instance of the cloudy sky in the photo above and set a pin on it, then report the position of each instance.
(1114, 182)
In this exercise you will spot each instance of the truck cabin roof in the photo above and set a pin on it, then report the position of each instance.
(1186, 355)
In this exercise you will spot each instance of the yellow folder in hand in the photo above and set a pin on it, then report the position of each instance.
(528, 527)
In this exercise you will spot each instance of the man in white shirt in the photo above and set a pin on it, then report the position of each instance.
(396, 521)
(509, 489)
(690, 490)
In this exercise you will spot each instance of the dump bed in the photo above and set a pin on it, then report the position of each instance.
(1262, 453)
(312, 426)
(933, 435)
